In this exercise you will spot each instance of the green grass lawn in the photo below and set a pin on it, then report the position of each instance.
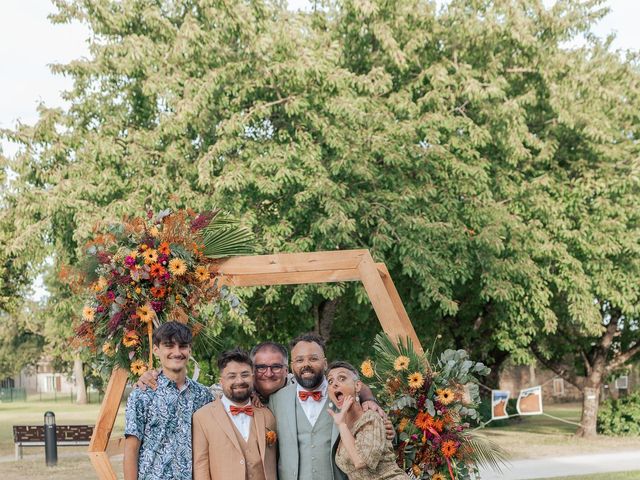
(541, 423)
(32, 413)
(540, 436)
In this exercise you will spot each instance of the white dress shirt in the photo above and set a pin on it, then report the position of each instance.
(242, 421)
(312, 409)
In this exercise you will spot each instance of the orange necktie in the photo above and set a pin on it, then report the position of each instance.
(303, 394)
(248, 410)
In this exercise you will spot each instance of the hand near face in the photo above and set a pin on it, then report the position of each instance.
(339, 417)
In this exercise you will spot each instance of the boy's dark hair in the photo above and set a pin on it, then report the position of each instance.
(341, 364)
(172, 332)
(274, 347)
(308, 337)
(235, 355)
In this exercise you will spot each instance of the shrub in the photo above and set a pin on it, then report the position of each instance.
(620, 417)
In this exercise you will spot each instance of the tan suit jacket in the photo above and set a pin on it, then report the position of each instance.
(216, 452)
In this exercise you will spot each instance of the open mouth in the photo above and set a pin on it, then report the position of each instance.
(339, 398)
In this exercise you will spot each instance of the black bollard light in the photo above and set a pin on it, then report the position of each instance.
(50, 442)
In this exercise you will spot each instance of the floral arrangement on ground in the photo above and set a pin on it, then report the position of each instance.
(432, 409)
(143, 272)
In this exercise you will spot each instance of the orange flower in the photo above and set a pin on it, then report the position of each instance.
(158, 292)
(445, 396)
(177, 267)
(138, 367)
(88, 313)
(202, 274)
(423, 421)
(438, 476)
(157, 270)
(130, 339)
(145, 312)
(416, 380)
(449, 448)
(150, 256)
(164, 248)
(271, 437)
(367, 369)
(438, 425)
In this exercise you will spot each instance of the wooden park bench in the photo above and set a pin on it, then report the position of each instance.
(66, 435)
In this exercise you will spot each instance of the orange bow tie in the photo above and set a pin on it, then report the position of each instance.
(303, 394)
(248, 410)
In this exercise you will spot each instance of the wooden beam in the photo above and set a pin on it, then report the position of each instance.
(102, 466)
(381, 301)
(290, 262)
(407, 326)
(108, 410)
(290, 278)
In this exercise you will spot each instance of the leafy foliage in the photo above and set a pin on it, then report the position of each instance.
(621, 416)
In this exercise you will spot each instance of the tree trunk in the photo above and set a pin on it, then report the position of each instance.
(590, 403)
(78, 373)
(324, 315)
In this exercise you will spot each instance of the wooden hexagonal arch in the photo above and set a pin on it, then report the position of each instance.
(261, 270)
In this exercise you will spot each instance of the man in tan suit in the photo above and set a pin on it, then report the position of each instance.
(233, 440)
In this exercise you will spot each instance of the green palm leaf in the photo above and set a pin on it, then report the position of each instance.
(224, 237)
(486, 453)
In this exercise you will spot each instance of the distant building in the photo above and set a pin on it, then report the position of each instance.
(555, 389)
(41, 378)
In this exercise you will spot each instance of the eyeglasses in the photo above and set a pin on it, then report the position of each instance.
(275, 368)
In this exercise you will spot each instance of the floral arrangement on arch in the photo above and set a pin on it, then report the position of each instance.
(431, 409)
(146, 271)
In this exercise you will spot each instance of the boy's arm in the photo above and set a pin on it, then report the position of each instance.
(130, 463)
(135, 417)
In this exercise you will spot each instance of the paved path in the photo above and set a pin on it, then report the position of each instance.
(566, 466)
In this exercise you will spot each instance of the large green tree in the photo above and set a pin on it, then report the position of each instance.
(460, 145)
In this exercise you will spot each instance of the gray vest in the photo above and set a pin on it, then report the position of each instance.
(314, 446)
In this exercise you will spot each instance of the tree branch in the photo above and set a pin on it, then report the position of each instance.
(623, 357)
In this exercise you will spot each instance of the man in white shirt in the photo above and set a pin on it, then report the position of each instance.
(232, 439)
(306, 435)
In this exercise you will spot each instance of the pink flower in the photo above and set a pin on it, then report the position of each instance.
(129, 261)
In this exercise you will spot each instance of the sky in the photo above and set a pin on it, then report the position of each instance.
(29, 43)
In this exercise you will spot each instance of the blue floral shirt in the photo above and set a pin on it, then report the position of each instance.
(161, 420)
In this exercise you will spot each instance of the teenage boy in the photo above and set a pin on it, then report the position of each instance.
(158, 422)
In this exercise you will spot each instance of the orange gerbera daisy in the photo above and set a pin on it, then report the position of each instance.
(445, 396)
(438, 425)
(271, 438)
(401, 363)
(438, 476)
(449, 448)
(138, 367)
(130, 338)
(158, 271)
(145, 313)
(164, 248)
(367, 369)
(158, 292)
(177, 267)
(423, 421)
(88, 313)
(416, 380)
(202, 274)
(150, 256)
(108, 350)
